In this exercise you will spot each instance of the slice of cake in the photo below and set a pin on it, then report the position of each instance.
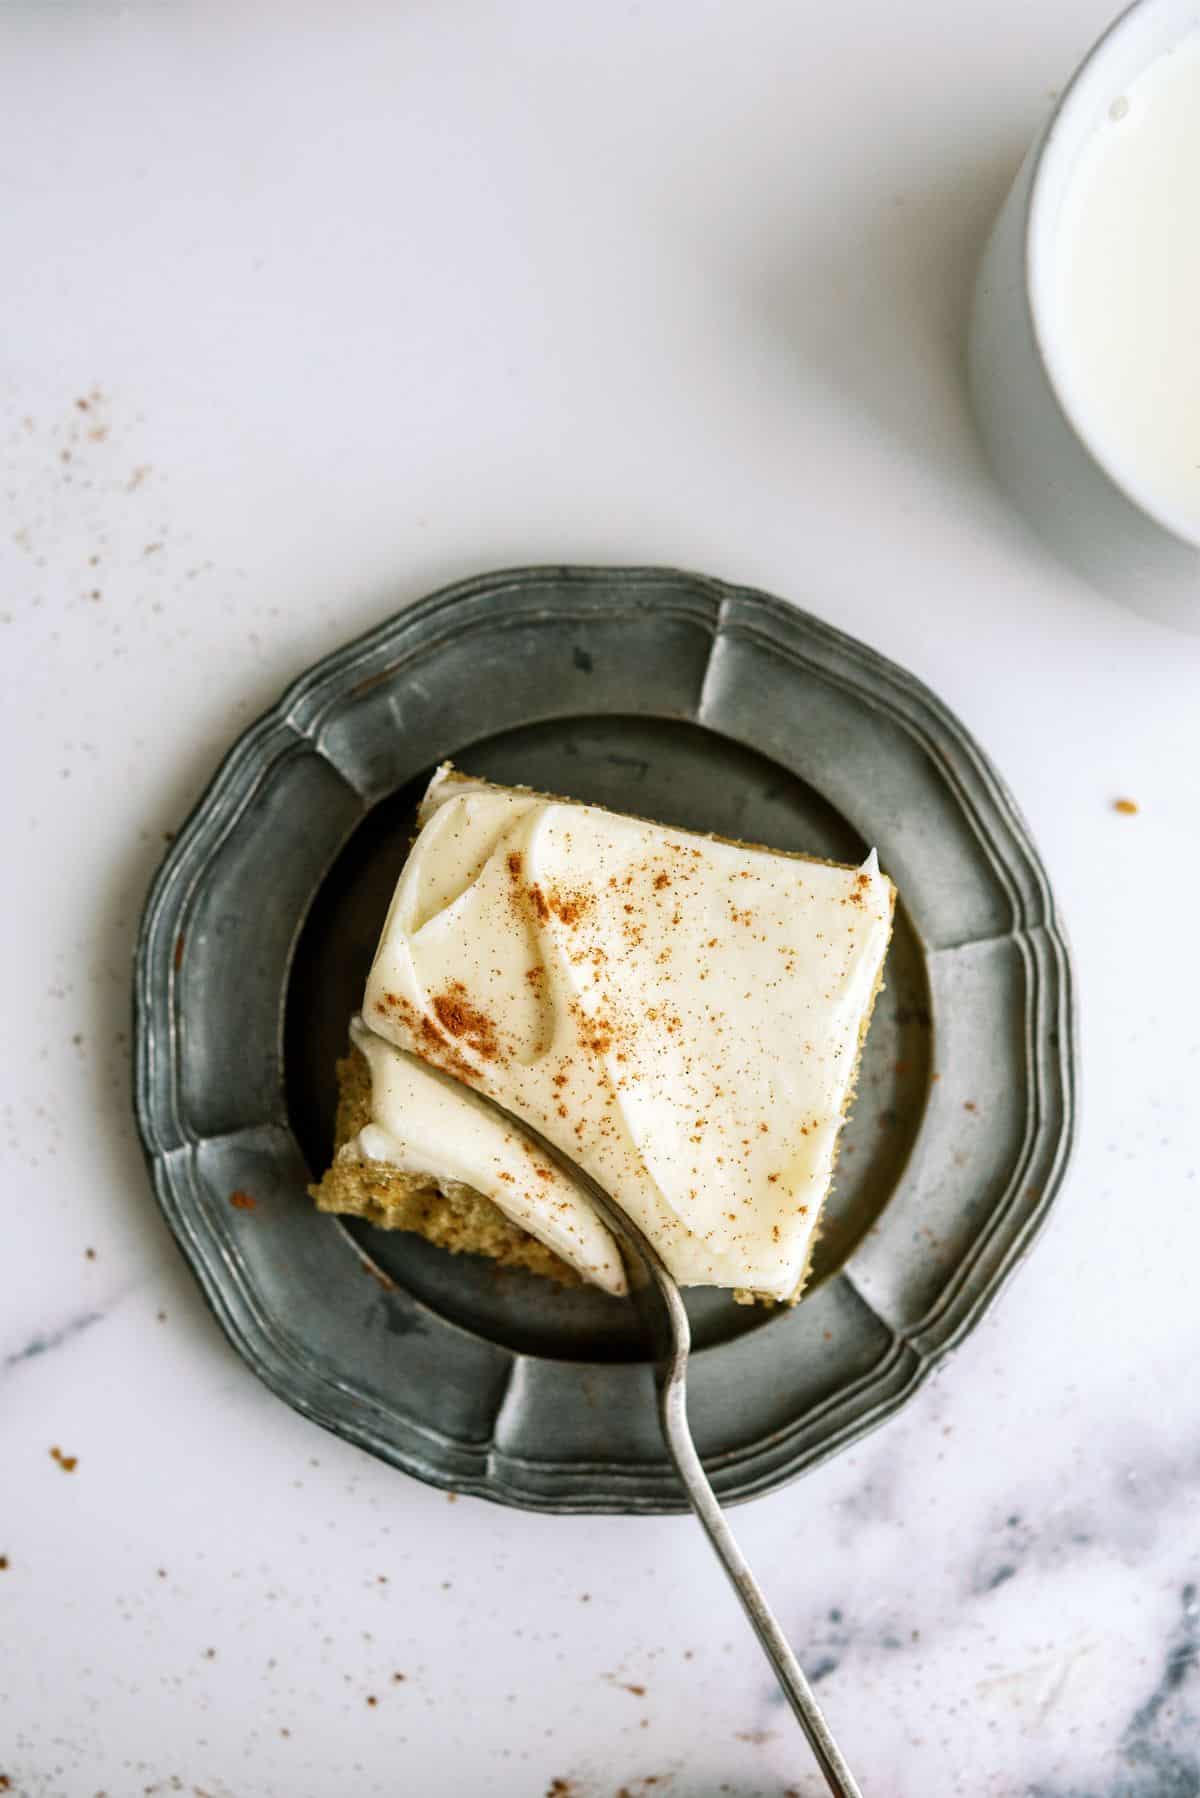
(681, 1014)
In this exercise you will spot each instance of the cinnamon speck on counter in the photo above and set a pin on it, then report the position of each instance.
(68, 1463)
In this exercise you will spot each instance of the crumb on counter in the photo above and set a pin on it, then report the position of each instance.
(1126, 807)
(68, 1463)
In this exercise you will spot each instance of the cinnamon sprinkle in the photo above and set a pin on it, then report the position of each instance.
(569, 908)
(433, 1045)
(459, 1018)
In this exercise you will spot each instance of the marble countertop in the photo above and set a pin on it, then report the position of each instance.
(307, 310)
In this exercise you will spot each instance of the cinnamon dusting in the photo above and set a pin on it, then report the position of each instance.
(432, 1045)
(569, 908)
(459, 1018)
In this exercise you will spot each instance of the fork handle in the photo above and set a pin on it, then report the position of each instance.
(672, 1409)
(656, 1294)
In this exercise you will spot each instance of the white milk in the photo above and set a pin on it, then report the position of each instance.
(1127, 349)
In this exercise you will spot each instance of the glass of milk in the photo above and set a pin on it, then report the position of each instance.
(1085, 338)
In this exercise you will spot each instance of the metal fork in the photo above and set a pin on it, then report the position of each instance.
(661, 1309)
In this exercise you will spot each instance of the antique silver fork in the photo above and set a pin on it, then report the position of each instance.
(657, 1297)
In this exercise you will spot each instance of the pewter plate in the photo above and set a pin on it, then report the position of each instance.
(697, 704)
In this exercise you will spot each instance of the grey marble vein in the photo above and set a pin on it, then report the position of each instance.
(44, 1341)
(1154, 1758)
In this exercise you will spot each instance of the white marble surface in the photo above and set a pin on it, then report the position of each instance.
(363, 298)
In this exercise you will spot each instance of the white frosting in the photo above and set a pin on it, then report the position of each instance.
(423, 1122)
(681, 1015)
